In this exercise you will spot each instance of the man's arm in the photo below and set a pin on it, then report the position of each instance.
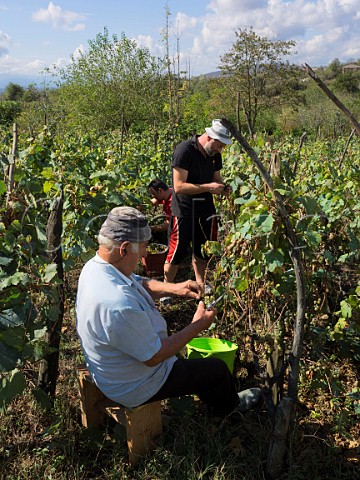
(174, 343)
(157, 289)
(181, 185)
(217, 177)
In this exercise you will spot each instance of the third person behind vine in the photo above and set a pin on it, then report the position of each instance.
(161, 194)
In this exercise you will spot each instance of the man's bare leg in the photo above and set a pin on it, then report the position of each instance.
(170, 272)
(199, 266)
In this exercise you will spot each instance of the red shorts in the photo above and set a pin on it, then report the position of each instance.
(186, 231)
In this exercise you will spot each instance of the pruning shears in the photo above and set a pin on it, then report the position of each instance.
(212, 304)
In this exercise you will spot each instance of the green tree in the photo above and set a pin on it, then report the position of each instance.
(40, 108)
(256, 73)
(348, 82)
(31, 94)
(196, 113)
(334, 68)
(114, 84)
(13, 92)
(9, 110)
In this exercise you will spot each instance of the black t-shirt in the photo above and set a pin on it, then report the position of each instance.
(200, 170)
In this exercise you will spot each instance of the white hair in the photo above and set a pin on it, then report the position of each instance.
(107, 242)
(110, 244)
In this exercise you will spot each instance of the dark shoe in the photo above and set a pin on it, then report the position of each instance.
(248, 399)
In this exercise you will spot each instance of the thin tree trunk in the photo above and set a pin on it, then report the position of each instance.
(248, 120)
(49, 366)
(168, 66)
(11, 170)
(238, 112)
(122, 133)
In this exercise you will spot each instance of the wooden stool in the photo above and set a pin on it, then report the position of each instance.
(142, 423)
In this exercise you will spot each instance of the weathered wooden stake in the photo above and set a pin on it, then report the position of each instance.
(49, 366)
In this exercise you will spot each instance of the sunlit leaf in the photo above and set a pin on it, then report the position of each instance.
(16, 279)
(346, 310)
(48, 186)
(2, 187)
(5, 261)
(265, 221)
(40, 233)
(50, 273)
(47, 172)
(241, 284)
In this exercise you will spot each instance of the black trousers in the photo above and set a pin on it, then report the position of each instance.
(208, 378)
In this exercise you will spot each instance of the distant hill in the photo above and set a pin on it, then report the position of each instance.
(216, 74)
(26, 80)
(22, 80)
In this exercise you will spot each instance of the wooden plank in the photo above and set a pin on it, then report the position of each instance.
(142, 424)
(90, 395)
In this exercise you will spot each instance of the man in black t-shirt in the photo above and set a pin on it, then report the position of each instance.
(196, 177)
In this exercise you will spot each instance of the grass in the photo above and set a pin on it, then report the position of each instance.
(51, 444)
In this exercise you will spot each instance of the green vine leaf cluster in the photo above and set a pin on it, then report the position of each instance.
(255, 267)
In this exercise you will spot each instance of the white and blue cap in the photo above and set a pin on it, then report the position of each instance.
(126, 224)
(217, 131)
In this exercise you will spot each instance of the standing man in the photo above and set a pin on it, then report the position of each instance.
(196, 178)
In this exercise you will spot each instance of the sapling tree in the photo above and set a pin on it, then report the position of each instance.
(115, 78)
(256, 72)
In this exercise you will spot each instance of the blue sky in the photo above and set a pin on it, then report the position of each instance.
(36, 34)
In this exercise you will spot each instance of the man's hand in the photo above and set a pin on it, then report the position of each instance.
(206, 317)
(215, 187)
(188, 289)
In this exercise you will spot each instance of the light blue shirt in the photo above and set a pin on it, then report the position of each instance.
(120, 328)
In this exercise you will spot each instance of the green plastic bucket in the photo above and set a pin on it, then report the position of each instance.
(213, 347)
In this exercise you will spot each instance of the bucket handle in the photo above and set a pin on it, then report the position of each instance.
(203, 356)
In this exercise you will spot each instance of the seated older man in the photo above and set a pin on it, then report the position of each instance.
(127, 349)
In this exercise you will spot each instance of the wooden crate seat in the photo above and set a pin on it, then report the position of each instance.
(142, 423)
